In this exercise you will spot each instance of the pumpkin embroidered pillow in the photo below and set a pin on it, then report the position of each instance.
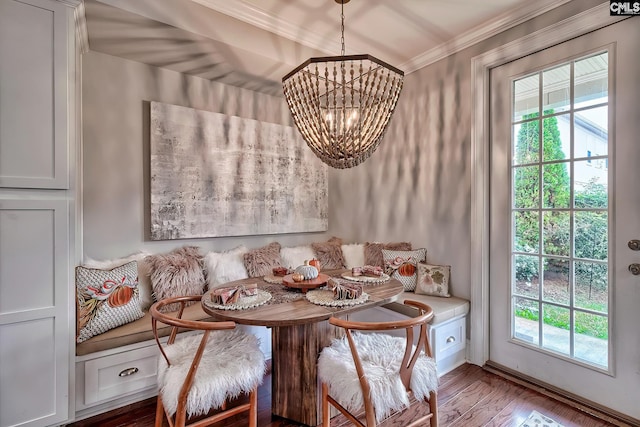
(433, 280)
(106, 299)
(401, 265)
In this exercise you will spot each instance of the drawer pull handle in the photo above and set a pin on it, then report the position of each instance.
(127, 372)
(451, 339)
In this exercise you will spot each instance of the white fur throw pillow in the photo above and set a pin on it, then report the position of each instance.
(178, 273)
(144, 281)
(353, 255)
(223, 267)
(296, 256)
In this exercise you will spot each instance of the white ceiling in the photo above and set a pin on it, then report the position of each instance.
(253, 43)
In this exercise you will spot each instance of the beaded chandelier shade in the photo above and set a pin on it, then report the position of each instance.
(342, 104)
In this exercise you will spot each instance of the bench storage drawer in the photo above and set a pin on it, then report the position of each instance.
(120, 374)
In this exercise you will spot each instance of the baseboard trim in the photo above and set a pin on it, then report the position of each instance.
(584, 405)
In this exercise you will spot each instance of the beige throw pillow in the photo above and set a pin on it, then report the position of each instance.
(433, 280)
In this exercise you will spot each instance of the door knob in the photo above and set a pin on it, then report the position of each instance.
(634, 269)
(634, 245)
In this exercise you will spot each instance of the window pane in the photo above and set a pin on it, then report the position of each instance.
(526, 142)
(555, 236)
(527, 231)
(590, 239)
(526, 185)
(555, 89)
(591, 132)
(556, 139)
(591, 80)
(526, 321)
(591, 189)
(592, 286)
(525, 97)
(527, 278)
(556, 185)
(555, 286)
(555, 328)
(591, 338)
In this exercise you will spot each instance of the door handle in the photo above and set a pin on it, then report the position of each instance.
(634, 245)
(634, 269)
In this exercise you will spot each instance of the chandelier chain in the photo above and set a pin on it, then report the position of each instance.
(342, 28)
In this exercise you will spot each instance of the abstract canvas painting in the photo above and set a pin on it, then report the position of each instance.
(217, 175)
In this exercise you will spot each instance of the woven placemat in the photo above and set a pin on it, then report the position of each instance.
(366, 279)
(276, 280)
(243, 302)
(325, 297)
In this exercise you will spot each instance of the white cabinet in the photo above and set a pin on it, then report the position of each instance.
(37, 211)
(34, 311)
(34, 88)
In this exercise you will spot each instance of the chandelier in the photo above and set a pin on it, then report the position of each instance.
(342, 104)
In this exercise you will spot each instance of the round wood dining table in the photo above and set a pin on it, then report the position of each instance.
(299, 332)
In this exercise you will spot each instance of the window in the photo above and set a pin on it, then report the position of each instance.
(560, 210)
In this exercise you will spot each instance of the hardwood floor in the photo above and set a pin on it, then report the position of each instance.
(469, 396)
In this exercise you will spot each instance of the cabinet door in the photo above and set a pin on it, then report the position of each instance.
(35, 307)
(34, 65)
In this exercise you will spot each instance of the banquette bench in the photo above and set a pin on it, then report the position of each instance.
(118, 367)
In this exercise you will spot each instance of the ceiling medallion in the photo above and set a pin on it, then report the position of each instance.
(342, 104)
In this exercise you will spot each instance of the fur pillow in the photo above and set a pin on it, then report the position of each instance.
(178, 273)
(296, 256)
(260, 262)
(329, 253)
(373, 251)
(353, 255)
(223, 267)
(106, 299)
(144, 281)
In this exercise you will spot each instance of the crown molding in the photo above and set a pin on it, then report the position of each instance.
(82, 34)
(487, 30)
(72, 3)
(247, 12)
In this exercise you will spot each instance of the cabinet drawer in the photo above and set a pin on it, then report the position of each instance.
(120, 374)
(448, 338)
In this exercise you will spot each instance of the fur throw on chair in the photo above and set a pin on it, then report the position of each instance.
(381, 356)
(232, 364)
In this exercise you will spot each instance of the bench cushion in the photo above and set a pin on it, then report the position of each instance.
(443, 308)
(134, 332)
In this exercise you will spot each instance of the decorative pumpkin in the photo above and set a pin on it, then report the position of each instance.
(315, 263)
(308, 271)
(120, 296)
(407, 269)
(297, 277)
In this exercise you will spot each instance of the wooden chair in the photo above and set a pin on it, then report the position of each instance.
(379, 372)
(200, 372)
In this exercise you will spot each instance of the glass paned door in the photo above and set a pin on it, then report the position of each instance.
(559, 214)
(563, 206)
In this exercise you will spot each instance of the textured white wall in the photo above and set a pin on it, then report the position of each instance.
(116, 94)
